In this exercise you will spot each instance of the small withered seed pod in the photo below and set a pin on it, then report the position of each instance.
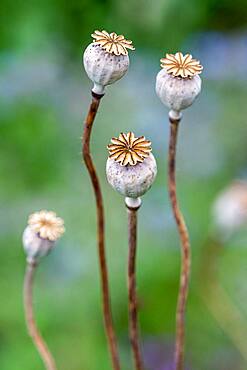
(106, 59)
(230, 209)
(43, 230)
(178, 83)
(131, 167)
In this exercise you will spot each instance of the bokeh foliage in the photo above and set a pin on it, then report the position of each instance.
(44, 96)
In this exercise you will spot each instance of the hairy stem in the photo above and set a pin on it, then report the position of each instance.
(185, 248)
(34, 333)
(110, 333)
(132, 295)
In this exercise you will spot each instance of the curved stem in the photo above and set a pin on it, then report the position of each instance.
(185, 248)
(132, 295)
(31, 324)
(110, 333)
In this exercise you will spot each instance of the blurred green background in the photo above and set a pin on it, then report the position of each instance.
(44, 95)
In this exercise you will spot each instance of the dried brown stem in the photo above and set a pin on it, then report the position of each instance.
(34, 333)
(110, 333)
(185, 248)
(132, 295)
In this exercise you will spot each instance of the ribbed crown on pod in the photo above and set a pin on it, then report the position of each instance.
(112, 43)
(128, 149)
(47, 225)
(180, 65)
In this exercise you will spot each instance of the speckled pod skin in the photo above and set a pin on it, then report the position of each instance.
(103, 68)
(34, 246)
(131, 181)
(175, 92)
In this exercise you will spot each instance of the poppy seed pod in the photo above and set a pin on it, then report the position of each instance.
(34, 246)
(43, 230)
(230, 208)
(106, 60)
(131, 168)
(178, 83)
